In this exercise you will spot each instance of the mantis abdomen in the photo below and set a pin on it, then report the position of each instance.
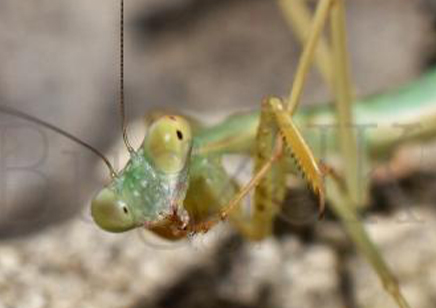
(382, 121)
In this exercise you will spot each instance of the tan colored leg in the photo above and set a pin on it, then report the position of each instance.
(332, 62)
(319, 20)
(342, 206)
(299, 18)
(270, 191)
(344, 195)
(347, 132)
(291, 134)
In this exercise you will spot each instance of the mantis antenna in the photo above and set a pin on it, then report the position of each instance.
(122, 107)
(20, 114)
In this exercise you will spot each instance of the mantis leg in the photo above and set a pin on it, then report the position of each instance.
(299, 18)
(291, 135)
(332, 62)
(344, 200)
(270, 191)
(342, 206)
(343, 100)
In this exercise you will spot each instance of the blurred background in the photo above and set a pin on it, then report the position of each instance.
(59, 62)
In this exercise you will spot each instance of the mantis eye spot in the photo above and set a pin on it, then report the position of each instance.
(179, 135)
(125, 210)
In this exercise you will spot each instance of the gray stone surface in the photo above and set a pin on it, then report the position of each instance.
(407, 240)
(77, 265)
(74, 264)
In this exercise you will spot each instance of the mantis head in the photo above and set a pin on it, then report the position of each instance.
(153, 183)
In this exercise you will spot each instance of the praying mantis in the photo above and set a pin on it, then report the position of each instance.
(175, 184)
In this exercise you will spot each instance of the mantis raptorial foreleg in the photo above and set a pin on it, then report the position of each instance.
(277, 136)
(270, 191)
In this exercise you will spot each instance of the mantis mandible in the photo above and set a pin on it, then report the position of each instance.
(175, 184)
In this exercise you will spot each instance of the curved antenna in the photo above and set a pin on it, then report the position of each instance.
(25, 116)
(122, 107)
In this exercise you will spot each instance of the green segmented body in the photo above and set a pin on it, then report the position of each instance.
(202, 187)
(413, 104)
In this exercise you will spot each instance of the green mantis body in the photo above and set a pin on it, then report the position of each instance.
(384, 115)
(200, 186)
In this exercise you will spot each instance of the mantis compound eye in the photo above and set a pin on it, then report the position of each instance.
(168, 143)
(111, 214)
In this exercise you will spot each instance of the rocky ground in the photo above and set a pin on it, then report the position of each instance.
(77, 265)
(59, 62)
